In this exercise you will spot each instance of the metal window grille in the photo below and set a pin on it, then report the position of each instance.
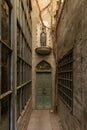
(5, 64)
(65, 79)
(23, 59)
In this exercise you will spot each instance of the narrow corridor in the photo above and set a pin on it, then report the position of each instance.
(44, 120)
(43, 64)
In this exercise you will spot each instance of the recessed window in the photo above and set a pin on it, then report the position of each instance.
(4, 116)
(65, 79)
(5, 66)
(5, 19)
(23, 62)
(18, 41)
(5, 69)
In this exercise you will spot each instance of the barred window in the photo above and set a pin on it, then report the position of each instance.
(23, 72)
(5, 68)
(65, 79)
(4, 113)
(5, 21)
(5, 65)
(23, 60)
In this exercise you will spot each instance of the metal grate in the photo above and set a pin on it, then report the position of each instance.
(24, 57)
(65, 78)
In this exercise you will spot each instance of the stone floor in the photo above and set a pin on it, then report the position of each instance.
(44, 120)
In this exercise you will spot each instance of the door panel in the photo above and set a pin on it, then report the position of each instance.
(39, 97)
(40, 102)
(43, 90)
(47, 102)
(47, 97)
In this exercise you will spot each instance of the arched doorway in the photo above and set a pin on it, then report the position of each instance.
(43, 86)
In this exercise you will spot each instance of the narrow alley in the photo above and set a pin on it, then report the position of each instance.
(43, 64)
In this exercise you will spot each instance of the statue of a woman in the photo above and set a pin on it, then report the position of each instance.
(43, 37)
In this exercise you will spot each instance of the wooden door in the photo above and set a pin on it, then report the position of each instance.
(43, 90)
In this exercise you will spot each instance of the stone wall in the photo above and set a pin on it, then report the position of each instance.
(72, 33)
(84, 64)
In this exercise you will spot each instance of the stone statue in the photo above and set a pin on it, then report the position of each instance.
(43, 37)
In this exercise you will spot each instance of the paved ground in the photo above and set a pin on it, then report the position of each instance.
(43, 120)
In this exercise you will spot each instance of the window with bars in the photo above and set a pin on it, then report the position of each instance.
(7, 59)
(5, 22)
(65, 79)
(5, 64)
(23, 60)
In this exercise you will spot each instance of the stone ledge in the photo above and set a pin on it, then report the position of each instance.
(43, 50)
(25, 116)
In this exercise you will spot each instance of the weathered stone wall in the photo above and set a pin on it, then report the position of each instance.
(84, 64)
(72, 33)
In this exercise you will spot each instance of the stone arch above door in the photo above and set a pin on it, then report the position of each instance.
(43, 65)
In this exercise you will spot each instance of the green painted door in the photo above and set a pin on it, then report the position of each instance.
(43, 90)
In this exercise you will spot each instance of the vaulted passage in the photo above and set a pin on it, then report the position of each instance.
(43, 65)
